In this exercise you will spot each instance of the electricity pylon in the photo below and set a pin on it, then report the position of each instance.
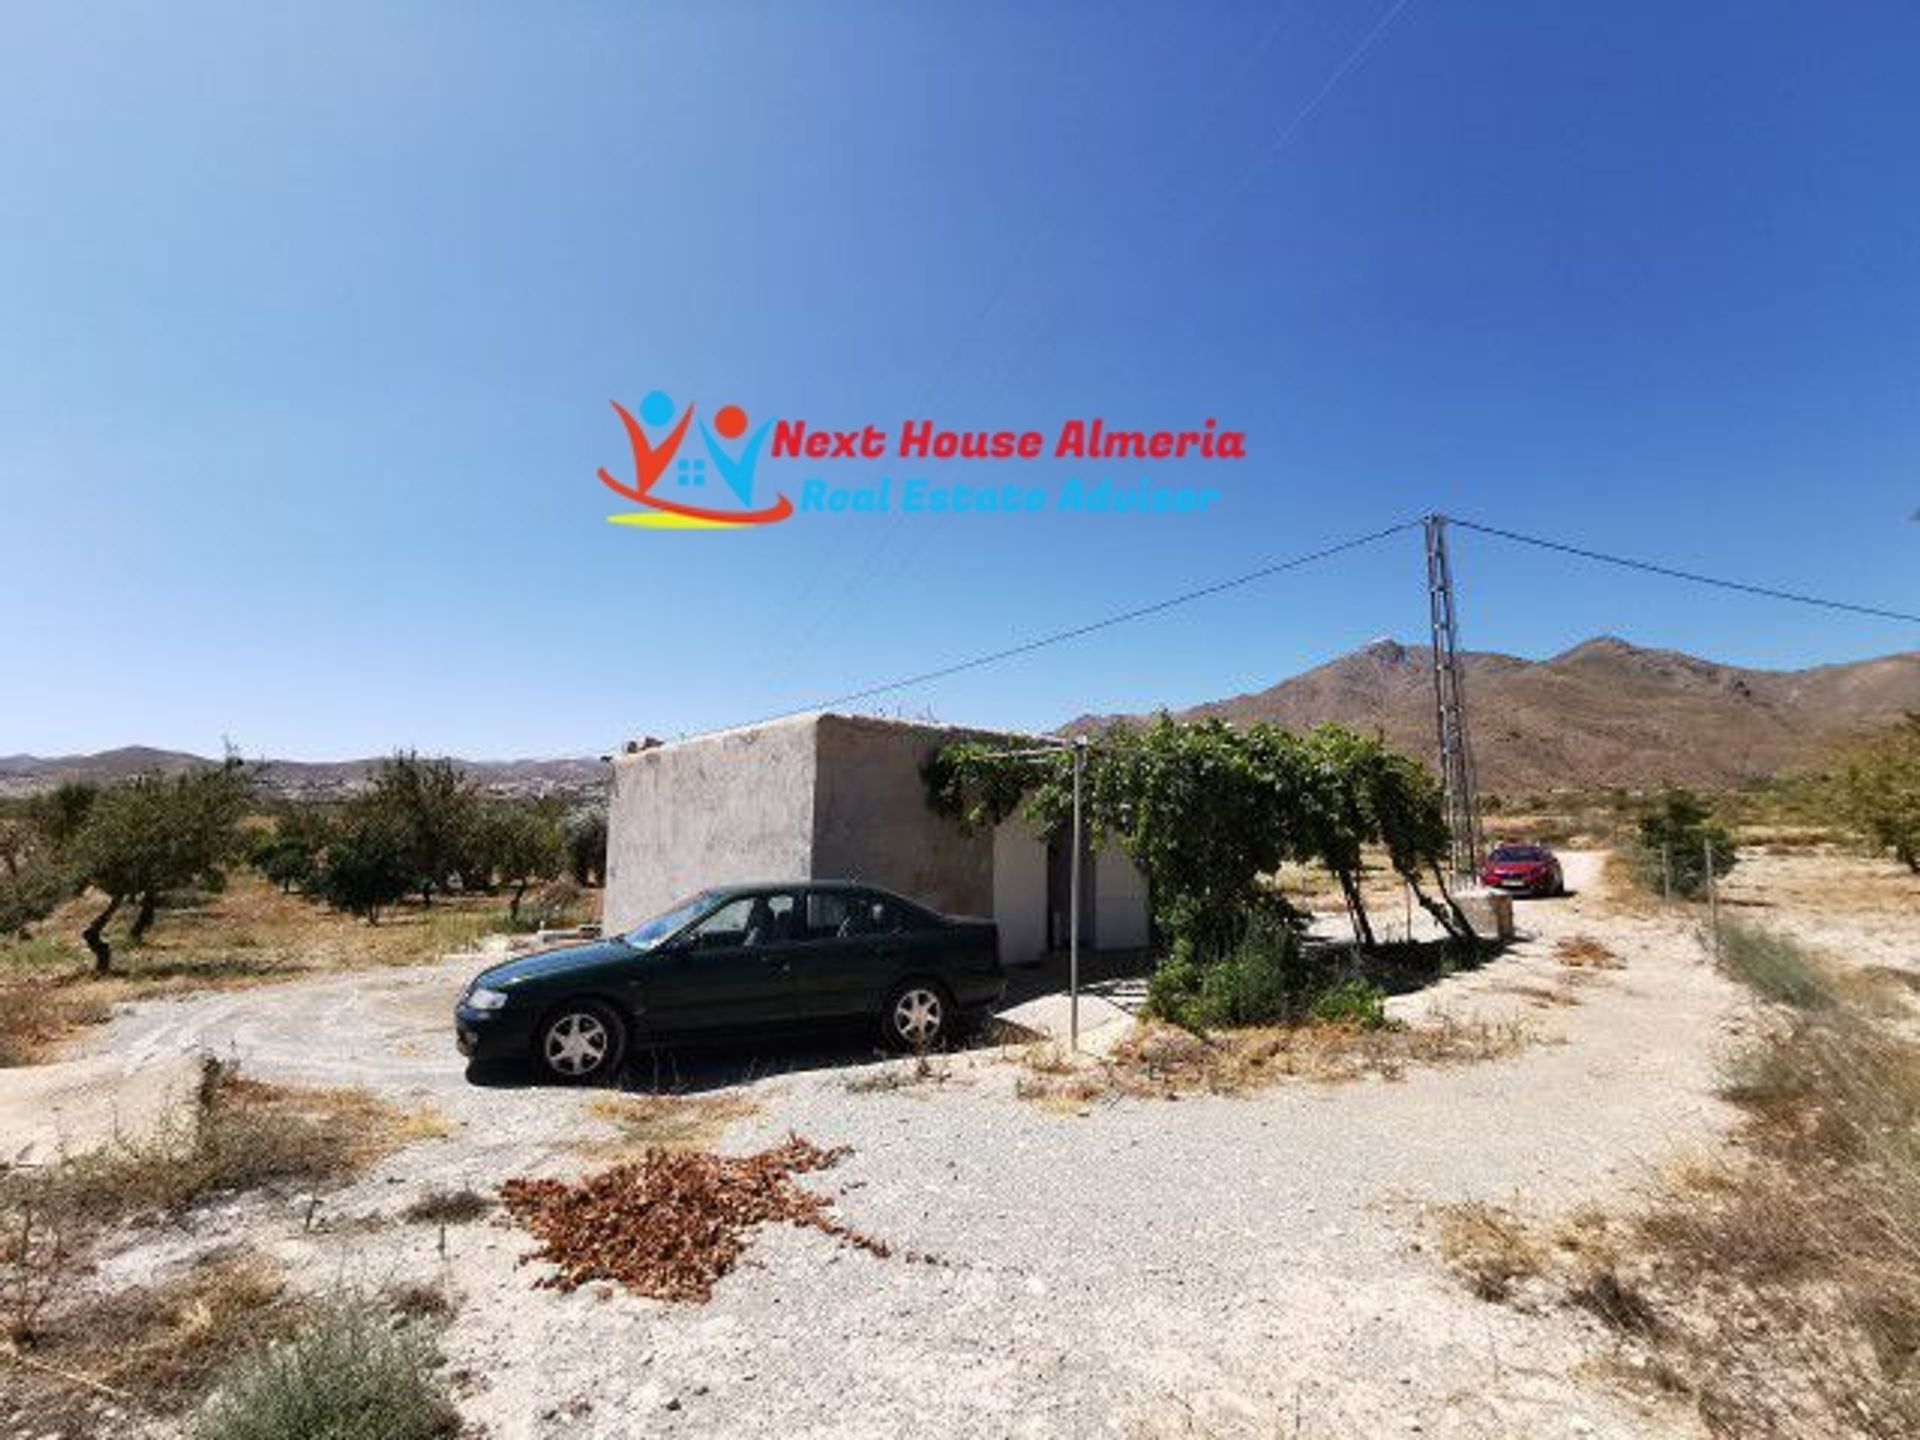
(1450, 707)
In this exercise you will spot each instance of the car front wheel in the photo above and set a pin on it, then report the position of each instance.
(918, 1015)
(581, 1043)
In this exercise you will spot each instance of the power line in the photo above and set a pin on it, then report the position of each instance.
(1628, 563)
(1041, 642)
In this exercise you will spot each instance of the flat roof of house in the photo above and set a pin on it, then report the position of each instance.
(814, 717)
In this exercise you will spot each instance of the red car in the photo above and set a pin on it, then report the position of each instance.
(1523, 870)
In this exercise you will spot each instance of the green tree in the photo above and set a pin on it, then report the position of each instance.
(433, 808)
(1877, 792)
(1675, 836)
(289, 853)
(34, 877)
(57, 815)
(587, 846)
(520, 844)
(367, 863)
(145, 837)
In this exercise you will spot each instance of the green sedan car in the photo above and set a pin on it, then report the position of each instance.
(738, 959)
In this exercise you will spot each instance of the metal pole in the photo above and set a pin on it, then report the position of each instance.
(1713, 898)
(1450, 707)
(1073, 923)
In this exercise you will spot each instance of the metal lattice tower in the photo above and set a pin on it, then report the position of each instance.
(1450, 707)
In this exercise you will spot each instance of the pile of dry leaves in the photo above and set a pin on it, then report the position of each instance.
(672, 1223)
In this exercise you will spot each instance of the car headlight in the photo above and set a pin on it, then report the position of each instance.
(481, 998)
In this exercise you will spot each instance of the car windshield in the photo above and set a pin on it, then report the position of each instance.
(1519, 852)
(651, 932)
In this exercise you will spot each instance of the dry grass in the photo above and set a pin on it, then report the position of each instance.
(1778, 1292)
(152, 1348)
(236, 1135)
(35, 1020)
(664, 1122)
(922, 1072)
(1491, 1249)
(1585, 952)
(1164, 1061)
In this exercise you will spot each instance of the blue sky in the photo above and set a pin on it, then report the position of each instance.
(311, 319)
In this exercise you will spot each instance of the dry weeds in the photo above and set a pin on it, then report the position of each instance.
(1779, 1292)
(34, 1020)
(155, 1346)
(448, 1207)
(235, 1135)
(1490, 1247)
(1585, 952)
(1158, 1060)
(664, 1122)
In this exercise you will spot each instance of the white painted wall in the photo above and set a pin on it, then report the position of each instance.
(1019, 892)
(1120, 919)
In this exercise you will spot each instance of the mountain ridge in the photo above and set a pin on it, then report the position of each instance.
(1602, 712)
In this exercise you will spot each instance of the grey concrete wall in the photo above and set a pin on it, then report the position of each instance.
(714, 810)
(871, 821)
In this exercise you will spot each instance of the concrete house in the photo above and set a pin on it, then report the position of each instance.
(828, 796)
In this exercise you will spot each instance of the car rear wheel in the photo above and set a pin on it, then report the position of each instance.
(918, 1015)
(581, 1043)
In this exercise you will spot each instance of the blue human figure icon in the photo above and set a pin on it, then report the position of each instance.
(737, 471)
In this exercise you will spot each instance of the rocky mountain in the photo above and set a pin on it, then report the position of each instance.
(1603, 713)
(293, 779)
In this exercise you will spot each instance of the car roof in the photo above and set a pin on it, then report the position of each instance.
(748, 887)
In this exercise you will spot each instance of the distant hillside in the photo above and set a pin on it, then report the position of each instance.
(293, 779)
(1603, 713)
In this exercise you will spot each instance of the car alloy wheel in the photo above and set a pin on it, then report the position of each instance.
(918, 1017)
(581, 1043)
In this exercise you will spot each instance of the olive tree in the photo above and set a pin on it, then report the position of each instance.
(519, 843)
(153, 834)
(432, 808)
(365, 865)
(1877, 791)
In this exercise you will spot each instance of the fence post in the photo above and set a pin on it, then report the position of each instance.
(1666, 873)
(1713, 898)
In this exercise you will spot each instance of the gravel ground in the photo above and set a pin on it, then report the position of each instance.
(1213, 1266)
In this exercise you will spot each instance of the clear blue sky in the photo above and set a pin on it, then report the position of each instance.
(308, 325)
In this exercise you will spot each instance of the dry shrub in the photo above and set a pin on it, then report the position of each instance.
(448, 1207)
(1489, 1247)
(1164, 1060)
(161, 1343)
(34, 1019)
(920, 1072)
(665, 1122)
(673, 1223)
(1585, 952)
(235, 1135)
